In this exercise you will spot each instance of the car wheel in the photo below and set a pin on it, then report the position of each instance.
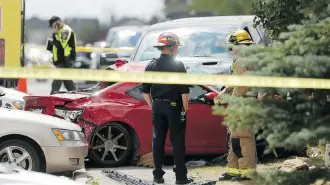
(111, 145)
(20, 154)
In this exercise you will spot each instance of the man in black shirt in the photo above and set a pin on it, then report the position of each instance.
(169, 104)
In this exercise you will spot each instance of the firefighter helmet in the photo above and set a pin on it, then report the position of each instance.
(168, 39)
(240, 37)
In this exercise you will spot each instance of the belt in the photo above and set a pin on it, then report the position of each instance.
(165, 100)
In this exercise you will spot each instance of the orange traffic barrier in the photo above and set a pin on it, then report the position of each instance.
(21, 85)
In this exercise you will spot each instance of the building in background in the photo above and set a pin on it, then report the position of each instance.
(176, 9)
(37, 30)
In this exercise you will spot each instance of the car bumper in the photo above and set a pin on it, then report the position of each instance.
(66, 158)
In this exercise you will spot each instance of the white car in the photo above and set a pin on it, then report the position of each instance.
(10, 176)
(37, 142)
(11, 98)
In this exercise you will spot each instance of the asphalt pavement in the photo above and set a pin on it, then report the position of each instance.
(43, 87)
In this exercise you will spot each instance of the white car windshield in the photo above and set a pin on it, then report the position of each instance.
(198, 42)
(124, 38)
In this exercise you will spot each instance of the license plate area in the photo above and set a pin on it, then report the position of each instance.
(36, 110)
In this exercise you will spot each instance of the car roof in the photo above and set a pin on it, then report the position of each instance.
(218, 21)
(136, 28)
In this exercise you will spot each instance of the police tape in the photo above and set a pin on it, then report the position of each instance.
(163, 78)
(86, 49)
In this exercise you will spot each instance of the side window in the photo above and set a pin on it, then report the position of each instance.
(136, 93)
(196, 92)
(253, 33)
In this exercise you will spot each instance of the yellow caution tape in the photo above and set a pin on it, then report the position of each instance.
(86, 49)
(164, 78)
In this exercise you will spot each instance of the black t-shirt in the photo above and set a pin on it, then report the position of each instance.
(165, 63)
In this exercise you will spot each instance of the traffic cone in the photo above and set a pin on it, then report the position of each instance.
(21, 85)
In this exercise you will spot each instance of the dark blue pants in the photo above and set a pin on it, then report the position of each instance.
(167, 116)
(68, 84)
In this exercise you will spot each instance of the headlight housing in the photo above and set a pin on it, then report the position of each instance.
(68, 135)
(18, 105)
(70, 115)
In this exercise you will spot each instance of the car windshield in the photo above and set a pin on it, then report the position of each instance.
(197, 42)
(124, 38)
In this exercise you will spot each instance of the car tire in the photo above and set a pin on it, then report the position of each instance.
(19, 148)
(111, 150)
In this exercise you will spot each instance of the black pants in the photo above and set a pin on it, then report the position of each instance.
(68, 84)
(166, 115)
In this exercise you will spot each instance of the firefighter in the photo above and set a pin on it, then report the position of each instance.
(63, 47)
(168, 104)
(242, 144)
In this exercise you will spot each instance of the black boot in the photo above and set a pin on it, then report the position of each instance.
(183, 181)
(227, 177)
(239, 178)
(159, 180)
(181, 178)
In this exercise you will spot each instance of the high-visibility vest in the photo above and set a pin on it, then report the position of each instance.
(63, 36)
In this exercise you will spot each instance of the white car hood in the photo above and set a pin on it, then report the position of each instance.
(36, 118)
(33, 178)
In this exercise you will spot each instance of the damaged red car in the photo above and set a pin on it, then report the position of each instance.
(117, 121)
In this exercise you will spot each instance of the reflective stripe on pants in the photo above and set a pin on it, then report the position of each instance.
(233, 171)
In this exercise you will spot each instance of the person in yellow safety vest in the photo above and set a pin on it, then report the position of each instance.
(63, 47)
(242, 155)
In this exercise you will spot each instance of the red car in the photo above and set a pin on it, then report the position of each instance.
(117, 121)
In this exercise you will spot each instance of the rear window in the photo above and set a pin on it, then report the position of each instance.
(99, 88)
(136, 93)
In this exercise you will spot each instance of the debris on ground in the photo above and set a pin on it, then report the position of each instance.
(91, 180)
(221, 160)
(315, 152)
(198, 163)
(146, 160)
(131, 180)
(292, 165)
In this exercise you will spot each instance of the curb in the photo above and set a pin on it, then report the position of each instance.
(80, 176)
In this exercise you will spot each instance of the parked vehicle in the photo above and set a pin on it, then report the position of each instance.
(10, 175)
(117, 121)
(121, 37)
(204, 39)
(37, 142)
(83, 60)
(11, 98)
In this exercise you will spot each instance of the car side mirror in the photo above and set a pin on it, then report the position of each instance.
(108, 58)
(120, 62)
(210, 96)
(109, 55)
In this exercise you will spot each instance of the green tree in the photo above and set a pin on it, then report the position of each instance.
(224, 7)
(303, 116)
(277, 15)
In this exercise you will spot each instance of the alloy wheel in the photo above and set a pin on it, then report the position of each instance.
(16, 157)
(110, 144)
